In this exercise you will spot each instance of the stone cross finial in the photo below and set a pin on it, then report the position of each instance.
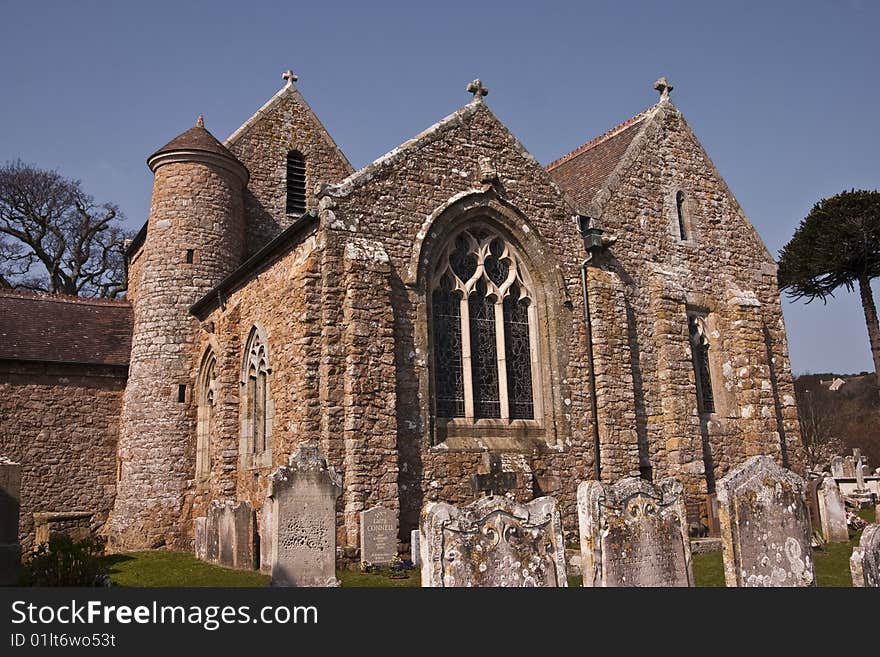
(200, 122)
(496, 482)
(478, 90)
(662, 85)
(290, 76)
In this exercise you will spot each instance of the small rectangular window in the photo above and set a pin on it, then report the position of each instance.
(181, 393)
(190, 254)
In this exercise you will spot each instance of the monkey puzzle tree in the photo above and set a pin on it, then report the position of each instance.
(55, 238)
(837, 243)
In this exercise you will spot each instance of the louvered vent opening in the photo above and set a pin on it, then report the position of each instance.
(296, 183)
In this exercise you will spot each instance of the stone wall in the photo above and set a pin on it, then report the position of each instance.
(195, 206)
(286, 123)
(469, 167)
(61, 422)
(723, 269)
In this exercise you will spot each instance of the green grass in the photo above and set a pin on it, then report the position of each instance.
(708, 569)
(164, 568)
(831, 562)
(353, 578)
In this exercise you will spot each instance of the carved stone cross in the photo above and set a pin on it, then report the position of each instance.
(477, 89)
(496, 482)
(662, 85)
(289, 76)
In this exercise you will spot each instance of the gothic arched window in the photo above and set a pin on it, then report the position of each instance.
(483, 326)
(256, 399)
(296, 183)
(700, 352)
(679, 211)
(206, 396)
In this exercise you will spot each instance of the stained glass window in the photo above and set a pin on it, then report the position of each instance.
(518, 356)
(484, 355)
(448, 375)
(483, 321)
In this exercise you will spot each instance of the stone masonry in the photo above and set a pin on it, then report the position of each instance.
(340, 298)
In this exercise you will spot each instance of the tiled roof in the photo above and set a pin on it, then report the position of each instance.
(583, 172)
(196, 139)
(64, 329)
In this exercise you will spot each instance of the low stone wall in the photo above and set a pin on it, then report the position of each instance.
(61, 422)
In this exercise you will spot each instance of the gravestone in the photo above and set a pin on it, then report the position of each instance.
(494, 541)
(200, 537)
(378, 536)
(813, 503)
(415, 549)
(832, 512)
(837, 467)
(765, 527)
(212, 539)
(864, 564)
(266, 515)
(849, 467)
(10, 506)
(303, 529)
(634, 534)
(230, 531)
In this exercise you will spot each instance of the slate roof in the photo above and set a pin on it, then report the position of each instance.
(196, 138)
(582, 172)
(64, 329)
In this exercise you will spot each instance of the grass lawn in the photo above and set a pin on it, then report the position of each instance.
(163, 568)
(831, 562)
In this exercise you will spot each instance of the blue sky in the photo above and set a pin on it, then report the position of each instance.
(783, 95)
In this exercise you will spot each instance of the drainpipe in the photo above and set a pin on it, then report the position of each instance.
(592, 242)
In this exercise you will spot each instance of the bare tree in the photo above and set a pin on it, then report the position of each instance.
(819, 420)
(55, 238)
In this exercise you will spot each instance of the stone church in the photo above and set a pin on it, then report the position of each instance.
(451, 304)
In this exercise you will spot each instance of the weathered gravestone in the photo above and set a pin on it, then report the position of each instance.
(10, 505)
(266, 515)
(864, 564)
(378, 535)
(415, 548)
(494, 541)
(200, 537)
(832, 511)
(231, 534)
(765, 527)
(837, 467)
(813, 503)
(303, 529)
(634, 534)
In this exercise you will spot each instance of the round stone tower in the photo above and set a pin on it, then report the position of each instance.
(194, 238)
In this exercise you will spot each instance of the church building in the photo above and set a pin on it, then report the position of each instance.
(452, 308)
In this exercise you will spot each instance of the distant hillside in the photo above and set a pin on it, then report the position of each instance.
(842, 407)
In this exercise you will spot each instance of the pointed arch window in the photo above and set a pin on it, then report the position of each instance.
(483, 325)
(256, 399)
(296, 183)
(206, 397)
(699, 338)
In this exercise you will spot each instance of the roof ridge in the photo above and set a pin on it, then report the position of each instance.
(366, 172)
(287, 90)
(12, 293)
(601, 138)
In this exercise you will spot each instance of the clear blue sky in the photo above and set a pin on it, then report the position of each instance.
(784, 95)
